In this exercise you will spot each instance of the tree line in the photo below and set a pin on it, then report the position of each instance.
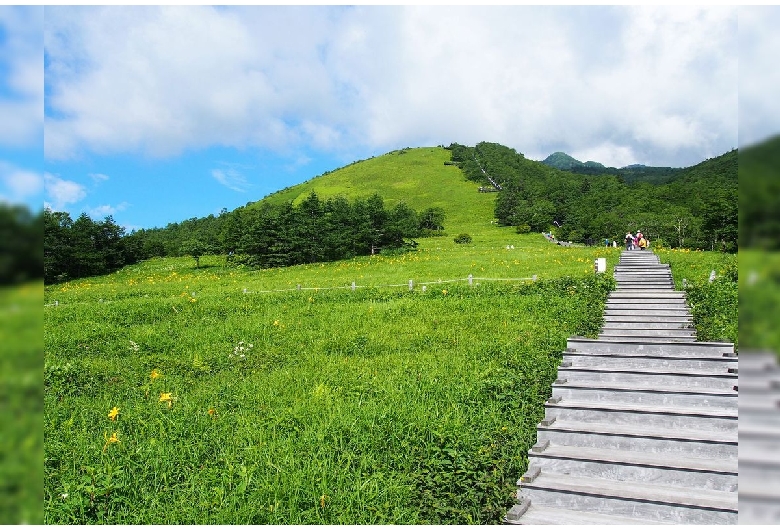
(21, 248)
(259, 235)
(694, 207)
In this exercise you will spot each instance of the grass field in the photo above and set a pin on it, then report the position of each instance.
(759, 299)
(313, 406)
(21, 404)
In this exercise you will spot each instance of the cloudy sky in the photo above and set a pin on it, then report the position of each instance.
(159, 114)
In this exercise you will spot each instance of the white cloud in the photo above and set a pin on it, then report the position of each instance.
(98, 177)
(759, 78)
(19, 184)
(102, 211)
(618, 155)
(62, 192)
(657, 82)
(231, 178)
(21, 87)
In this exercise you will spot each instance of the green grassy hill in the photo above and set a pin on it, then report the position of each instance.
(416, 176)
(229, 395)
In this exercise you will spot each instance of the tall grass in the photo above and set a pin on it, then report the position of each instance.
(714, 304)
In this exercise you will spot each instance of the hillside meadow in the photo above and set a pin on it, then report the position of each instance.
(417, 176)
(183, 395)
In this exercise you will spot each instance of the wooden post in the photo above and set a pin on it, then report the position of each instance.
(411, 285)
(471, 280)
(353, 286)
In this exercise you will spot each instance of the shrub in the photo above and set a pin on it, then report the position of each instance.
(462, 238)
(522, 229)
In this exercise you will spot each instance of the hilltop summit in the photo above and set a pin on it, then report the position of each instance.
(560, 160)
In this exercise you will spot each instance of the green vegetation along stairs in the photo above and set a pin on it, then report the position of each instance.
(642, 424)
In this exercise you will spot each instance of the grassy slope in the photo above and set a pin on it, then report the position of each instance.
(416, 176)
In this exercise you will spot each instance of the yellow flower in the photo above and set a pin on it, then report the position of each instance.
(444, 291)
(276, 322)
(110, 440)
(155, 374)
(165, 397)
(212, 412)
(113, 414)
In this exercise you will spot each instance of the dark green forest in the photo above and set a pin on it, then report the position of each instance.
(266, 236)
(21, 244)
(759, 196)
(695, 208)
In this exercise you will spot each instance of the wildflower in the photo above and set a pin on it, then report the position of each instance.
(276, 322)
(323, 498)
(444, 291)
(134, 346)
(154, 375)
(212, 412)
(110, 440)
(113, 414)
(64, 495)
(165, 397)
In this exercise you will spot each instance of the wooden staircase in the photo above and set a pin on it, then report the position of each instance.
(642, 424)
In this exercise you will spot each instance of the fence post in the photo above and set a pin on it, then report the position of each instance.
(299, 286)
(684, 283)
(471, 280)
(353, 286)
(411, 285)
(712, 276)
(244, 290)
(534, 277)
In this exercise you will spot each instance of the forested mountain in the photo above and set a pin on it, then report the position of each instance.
(759, 195)
(560, 160)
(628, 174)
(697, 208)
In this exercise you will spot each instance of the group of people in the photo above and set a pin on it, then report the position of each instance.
(637, 241)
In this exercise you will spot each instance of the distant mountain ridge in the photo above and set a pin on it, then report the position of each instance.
(630, 173)
(560, 160)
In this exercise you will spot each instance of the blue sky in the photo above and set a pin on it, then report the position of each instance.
(159, 114)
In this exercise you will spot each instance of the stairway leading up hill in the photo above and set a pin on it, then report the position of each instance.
(642, 424)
